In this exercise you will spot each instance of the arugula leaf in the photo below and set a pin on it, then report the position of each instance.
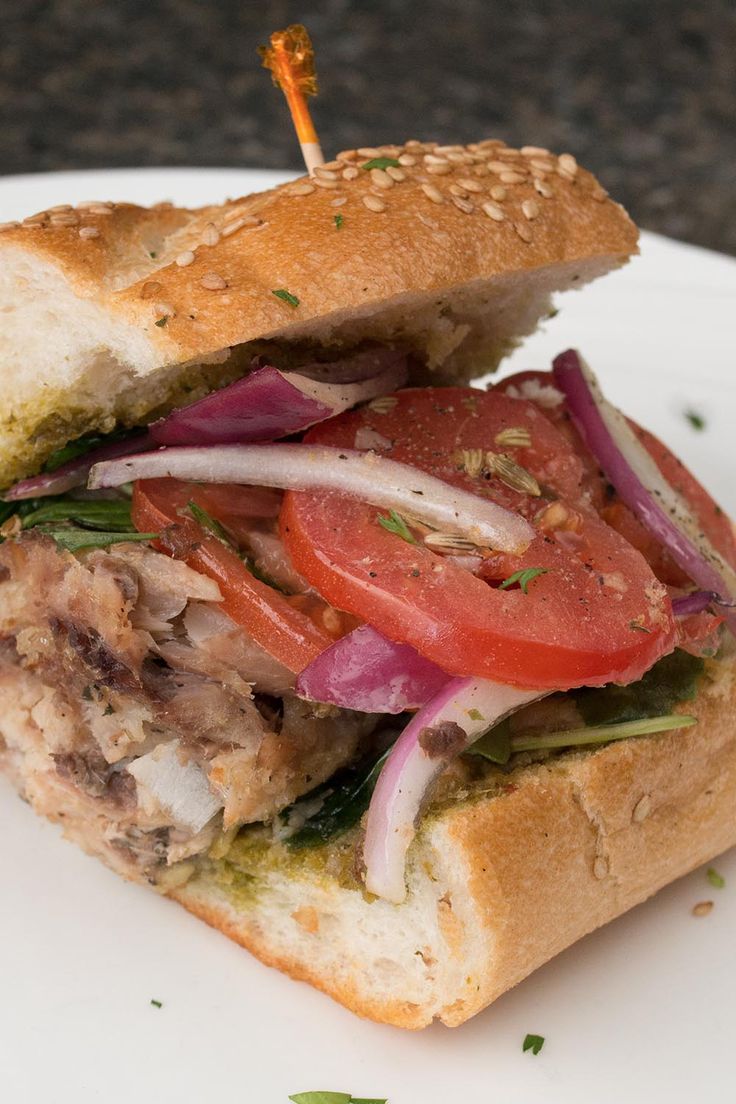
(523, 578)
(208, 522)
(671, 680)
(110, 514)
(321, 1098)
(348, 794)
(601, 734)
(396, 524)
(495, 745)
(716, 880)
(534, 1043)
(381, 163)
(286, 296)
(74, 539)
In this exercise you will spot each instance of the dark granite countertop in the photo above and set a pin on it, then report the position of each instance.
(642, 93)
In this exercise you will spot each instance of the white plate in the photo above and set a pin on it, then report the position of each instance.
(640, 1011)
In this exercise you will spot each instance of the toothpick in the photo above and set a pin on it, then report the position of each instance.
(290, 57)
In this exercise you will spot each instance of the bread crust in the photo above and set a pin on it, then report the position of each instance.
(566, 847)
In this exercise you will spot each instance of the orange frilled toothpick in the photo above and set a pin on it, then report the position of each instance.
(290, 57)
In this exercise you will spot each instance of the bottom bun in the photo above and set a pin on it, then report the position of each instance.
(500, 882)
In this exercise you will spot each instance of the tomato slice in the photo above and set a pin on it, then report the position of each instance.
(597, 614)
(282, 629)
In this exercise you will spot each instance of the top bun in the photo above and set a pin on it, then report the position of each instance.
(113, 313)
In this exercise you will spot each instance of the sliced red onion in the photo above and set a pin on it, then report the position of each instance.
(639, 482)
(448, 724)
(364, 475)
(696, 602)
(75, 472)
(268, 404)
(368, 672)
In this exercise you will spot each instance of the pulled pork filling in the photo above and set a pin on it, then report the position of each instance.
(161, 720)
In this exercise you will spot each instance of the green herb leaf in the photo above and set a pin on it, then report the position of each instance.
(673, 679)
(367, 1100)
(475, 715)
(697, 421)
(74, 539)
(161, 321)
(321, 1098)
(396, 524)
(85, 444)
(381, 163)
(157, 1003)
(495, 745)
(534, 1043)
(347, 796)
(110, 514)
(286, 296)
(600, 734)
(264, 577)
(339, 220)
(523, 578)
(716, 880)
(636, 627)
(208, 522)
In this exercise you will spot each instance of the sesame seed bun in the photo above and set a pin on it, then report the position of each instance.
(113, 313)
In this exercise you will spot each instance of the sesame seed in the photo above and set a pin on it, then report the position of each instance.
(373, 203)
(463, 205)
(433, 193)
(456, 190)
(542, 164)
(570, 177)
(59, 207)
(702, 908)
(412, 143)
(101, 209)
(432, 159)
(439, 170)
(70, 219)
(338, 201)
(407, 160)
(325, 174)
(459, 158)
(164, 309)
(36, 220)
(234, 213)
(511, 178)
(509, 153)
(498, 166)
(523, 231)
(86, 204)
(347, 155)
(381, 179)
(470, 185)
(498, 192)
(213, 281)
(448, 149)
(567, 163)
(642, 809)
(533, 151)
(210, 234)
(599, 194)
(331, 166)
(150, 289)
(301, 189)
(184, 259)
(368, 152)
(530, 209)
(233, 227)
(8, 226)
(395, 174)
(480, 169)
(543, 189)
(329, 184)
(89, 232)
(350, 173)
(494, 212)
(600, 868)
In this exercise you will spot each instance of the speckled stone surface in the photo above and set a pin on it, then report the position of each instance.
(643, 92)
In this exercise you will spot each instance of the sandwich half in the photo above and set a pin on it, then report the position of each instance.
(368, 668)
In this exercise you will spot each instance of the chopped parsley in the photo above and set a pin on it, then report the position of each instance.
(523, 578)
(339, 220)
(697, 421)
(381, 163)
(285, 296)
(475, 715)
(716, 880)
(395, 523)
(161, 321)
(534, 1043)
(157, 1003)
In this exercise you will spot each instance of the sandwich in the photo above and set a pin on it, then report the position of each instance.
(402, 683)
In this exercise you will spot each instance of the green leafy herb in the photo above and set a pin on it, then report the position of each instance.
(396, 524)
(74, 539)
(110, 514)
(697, 421)
(7, 509)
(321, 1098)
(84, 444)
(381, 163)
(208, 522)
(673, 679)
(716, 880)
(495, 746)
(475, 715)
(161, 321)
(286, 296)
(264, 577)
(601, 734)
(157, 1003)
(347, 796)
(523, 578)
(534, 1043)
(636, 627)
(339, 220)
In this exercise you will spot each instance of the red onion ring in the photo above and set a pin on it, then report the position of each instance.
(75, 472)
(639, 482)
(696, 602)
(268, 404)
(368, 672)
(364, 475)
(472, 706)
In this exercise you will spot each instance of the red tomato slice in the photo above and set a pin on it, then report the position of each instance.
(279, 627)
(597, 614)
